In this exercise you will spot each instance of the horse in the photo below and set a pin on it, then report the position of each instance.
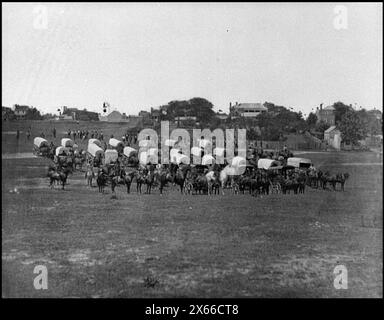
(180, 176)
(334, 179)
(149, 180)
(342, 178)
(101, 180)
(58, 176)
(90, 175)
(163, 177)
(226, 174)
(127, 178)
(78, 161)
(211, 178)
(140, 179)
(200, 184)
(288, 185)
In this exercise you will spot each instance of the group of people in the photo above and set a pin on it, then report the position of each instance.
(85, 134)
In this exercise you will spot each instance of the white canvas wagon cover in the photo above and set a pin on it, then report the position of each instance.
(145, 158)
(266, 163)
(144, 143)
(196, 151)
(180, 158)
(299, 162)
(110, 155)
(204, 143)
(115, 143)
(128, 151)
(219, 152)
(60, 150)
(66, 142)
(170, 142)
(40, 142)
(239, 162)
(207, 160)
(95, 141)
(94, 150)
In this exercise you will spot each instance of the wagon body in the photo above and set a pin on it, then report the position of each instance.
(110, 156)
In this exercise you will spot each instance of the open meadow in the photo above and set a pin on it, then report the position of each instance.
(175, 245)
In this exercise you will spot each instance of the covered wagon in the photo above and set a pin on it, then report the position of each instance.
(110, 156)
(204, 143)
(144, 143)
(299, 162)
(61, 151)
(207, 160)
(266, 164)
(114, 143)
(95, 141)
(128, 151)
(145, 158)
(219, 152)
(173, 153)
(180, 159)
(67, 143)
(170, 142)
(94, 154)
(196, 151)
(40, 146)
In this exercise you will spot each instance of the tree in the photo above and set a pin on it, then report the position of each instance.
(33, 114)
(352, 127)
(340, 110)
(311, 120)
(322, 126)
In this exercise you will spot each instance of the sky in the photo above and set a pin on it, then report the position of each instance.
(141, 55)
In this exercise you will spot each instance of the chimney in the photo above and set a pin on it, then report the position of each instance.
(230, 105)
(321, 106)
(237, 103)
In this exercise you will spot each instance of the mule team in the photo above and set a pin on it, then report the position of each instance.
(211, 180)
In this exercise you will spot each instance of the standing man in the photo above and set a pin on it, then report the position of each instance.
(54, 132)
(17, 135)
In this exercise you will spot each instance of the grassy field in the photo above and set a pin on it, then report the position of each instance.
(190, 246)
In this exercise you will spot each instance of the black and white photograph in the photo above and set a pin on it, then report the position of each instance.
(192, 150)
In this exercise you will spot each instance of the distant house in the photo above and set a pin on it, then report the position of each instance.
(155, 115)
(326, 115)
(20, 111)
(248, 110)
(377, 113)
(333, 137)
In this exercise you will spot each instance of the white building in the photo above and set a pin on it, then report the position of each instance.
(248, 110)
(333, 137)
